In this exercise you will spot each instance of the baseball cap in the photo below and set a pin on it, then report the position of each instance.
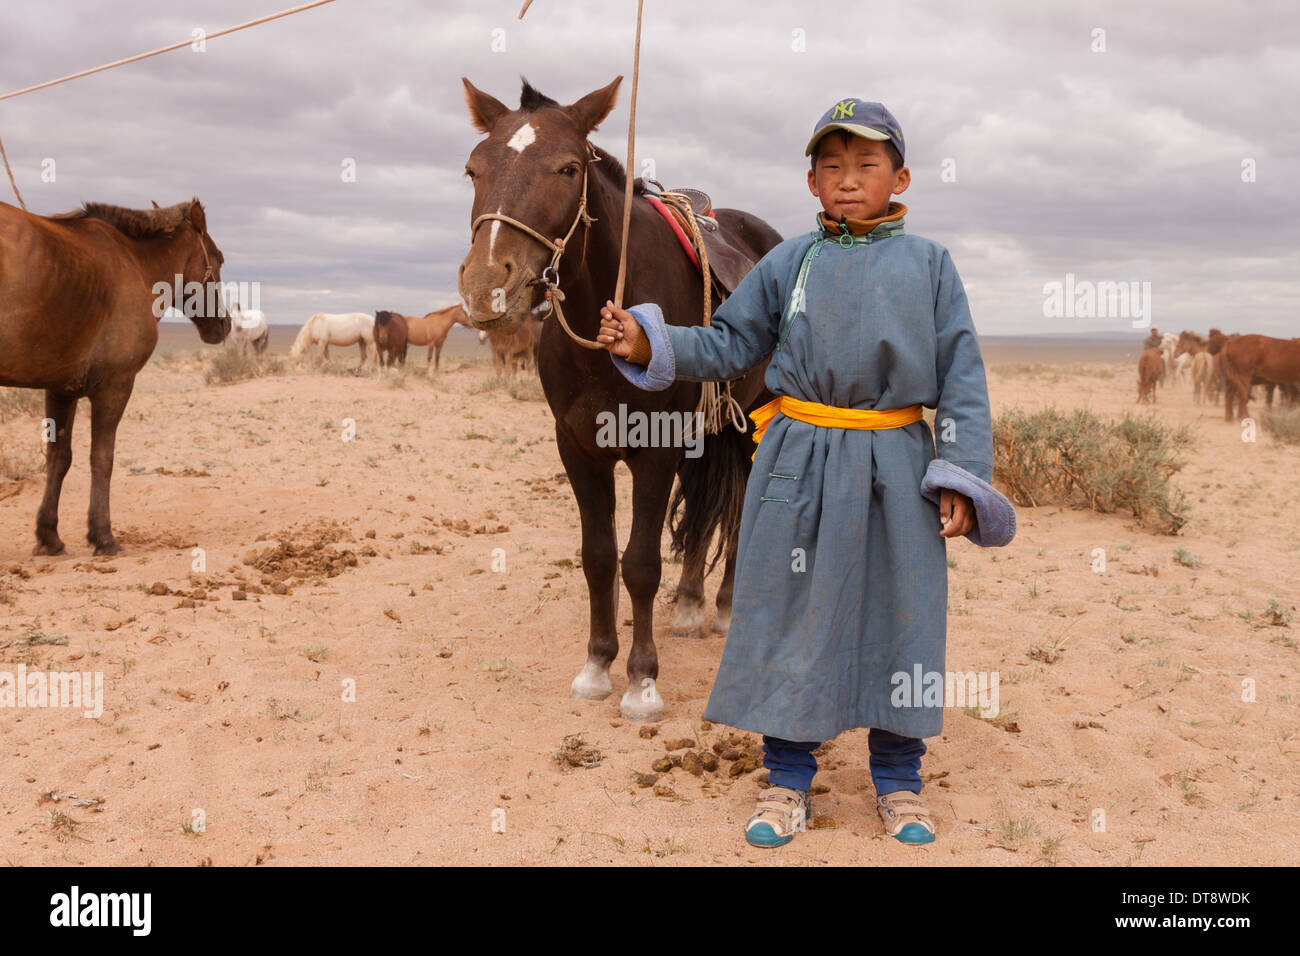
(861, 118)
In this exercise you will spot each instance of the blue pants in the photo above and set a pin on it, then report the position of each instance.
(895, 762)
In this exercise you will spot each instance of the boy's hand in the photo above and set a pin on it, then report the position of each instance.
(956, 513)
(619, 330)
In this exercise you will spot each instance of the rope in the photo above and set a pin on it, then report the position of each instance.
(627, 190)
(142, 56)
(631, 142)
(11, 176)
(714, 396)
(165, 49)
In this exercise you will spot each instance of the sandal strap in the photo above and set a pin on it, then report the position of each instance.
(902, 805)
(780, 807)
(893, 802)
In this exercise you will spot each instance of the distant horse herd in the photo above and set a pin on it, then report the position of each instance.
(387, 335)
(1226, 366)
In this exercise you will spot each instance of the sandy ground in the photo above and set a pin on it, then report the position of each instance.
(1120, 691)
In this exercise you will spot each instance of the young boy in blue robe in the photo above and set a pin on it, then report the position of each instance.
(841, 586)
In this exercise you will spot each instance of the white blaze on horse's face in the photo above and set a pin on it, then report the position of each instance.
(524, 136)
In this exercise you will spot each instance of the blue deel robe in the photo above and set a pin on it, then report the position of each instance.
(842, 576)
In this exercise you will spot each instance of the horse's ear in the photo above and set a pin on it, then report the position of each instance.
(196, 216)
(589, 111)
(155, 204)
(484, 110)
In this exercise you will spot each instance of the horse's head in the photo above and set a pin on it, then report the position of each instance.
(1188, 342)
(204, 266)
(1216, 341)
(531, 168)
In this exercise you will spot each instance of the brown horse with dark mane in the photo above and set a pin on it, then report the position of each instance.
(533, 167)
(390, 338)
(80, 298)
(1250, 359)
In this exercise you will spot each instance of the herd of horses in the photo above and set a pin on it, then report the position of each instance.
(387, 336)
(1223, 365)
(77, 318)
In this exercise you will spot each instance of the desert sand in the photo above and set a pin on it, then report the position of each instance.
(225, 737)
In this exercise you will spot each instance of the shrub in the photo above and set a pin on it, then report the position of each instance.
(1283, 424)
(1082, 460)
(231, 365)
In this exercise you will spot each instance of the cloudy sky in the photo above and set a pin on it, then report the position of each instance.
(1114, 142)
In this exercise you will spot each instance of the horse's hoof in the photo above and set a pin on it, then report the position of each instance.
(49, 548)
(642, 702)
(592, 683)
(687, 620)
(108, 549)
(721, 623)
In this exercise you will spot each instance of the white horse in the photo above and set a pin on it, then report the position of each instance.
(248, 327)
(1168, 345)
(325, 329)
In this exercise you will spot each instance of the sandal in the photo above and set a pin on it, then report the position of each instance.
(779, 814)
(905, 817)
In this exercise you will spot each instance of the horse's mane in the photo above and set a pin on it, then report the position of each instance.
(136, 223)
(383, 317)
(304, 337)
(532, 100)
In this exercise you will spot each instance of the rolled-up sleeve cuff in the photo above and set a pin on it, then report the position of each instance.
(662, 369)
(995, 517)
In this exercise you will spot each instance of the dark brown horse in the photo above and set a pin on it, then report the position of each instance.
(390, 338)
(532, 167)
(80, 299)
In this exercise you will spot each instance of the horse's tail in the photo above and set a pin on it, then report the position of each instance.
(711, 493)
(304, 337)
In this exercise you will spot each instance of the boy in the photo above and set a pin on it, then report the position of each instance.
(841, 585)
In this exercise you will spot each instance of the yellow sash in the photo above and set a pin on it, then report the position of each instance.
(830, 416)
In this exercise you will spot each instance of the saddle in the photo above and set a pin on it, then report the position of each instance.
(729, 261)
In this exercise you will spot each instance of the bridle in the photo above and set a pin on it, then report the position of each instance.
(550, 276)
(208, 274)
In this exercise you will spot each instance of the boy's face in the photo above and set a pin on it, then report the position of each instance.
(855, 180)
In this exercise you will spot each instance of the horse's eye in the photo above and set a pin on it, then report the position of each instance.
(570, 171)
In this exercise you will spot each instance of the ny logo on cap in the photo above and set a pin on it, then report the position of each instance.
(842, 109)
